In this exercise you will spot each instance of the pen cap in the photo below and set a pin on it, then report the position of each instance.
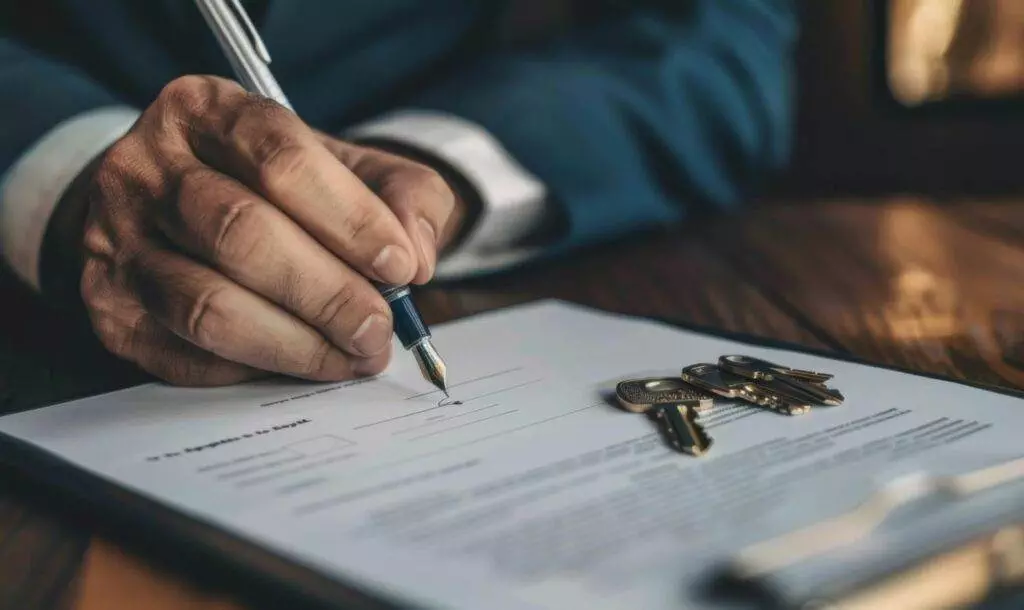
(408, 322)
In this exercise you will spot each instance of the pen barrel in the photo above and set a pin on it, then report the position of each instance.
(408, 322)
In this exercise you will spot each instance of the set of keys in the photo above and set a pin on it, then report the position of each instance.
(676, 403)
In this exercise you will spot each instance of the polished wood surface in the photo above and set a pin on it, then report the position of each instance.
(936, 287)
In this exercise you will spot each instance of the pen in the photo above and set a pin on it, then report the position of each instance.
(250, 61)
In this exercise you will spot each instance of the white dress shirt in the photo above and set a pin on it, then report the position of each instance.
(513, 201)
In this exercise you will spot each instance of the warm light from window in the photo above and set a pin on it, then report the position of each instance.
(941, 48)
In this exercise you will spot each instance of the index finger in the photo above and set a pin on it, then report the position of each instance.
(271, 150)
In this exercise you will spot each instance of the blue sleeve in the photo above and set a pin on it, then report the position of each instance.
(635, 120)
(36, 94)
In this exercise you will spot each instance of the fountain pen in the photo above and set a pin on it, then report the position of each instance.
(250, 61)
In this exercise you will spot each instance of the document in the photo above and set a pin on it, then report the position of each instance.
(528, 488)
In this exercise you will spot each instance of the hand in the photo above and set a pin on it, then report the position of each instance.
(397, 174)
(224, 240)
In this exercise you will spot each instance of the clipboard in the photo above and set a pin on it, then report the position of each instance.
(984, 557)
(209, 555)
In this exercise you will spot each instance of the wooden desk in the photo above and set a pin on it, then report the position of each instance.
(933, 288)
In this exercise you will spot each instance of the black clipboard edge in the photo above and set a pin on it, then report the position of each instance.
(210, 557)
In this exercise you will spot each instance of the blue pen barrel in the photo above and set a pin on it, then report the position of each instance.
(407, 319)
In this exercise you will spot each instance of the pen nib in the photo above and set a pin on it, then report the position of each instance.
(431, 365)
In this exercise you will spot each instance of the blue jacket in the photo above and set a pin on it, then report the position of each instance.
(648, 110)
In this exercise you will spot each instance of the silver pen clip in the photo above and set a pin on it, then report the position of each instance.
(254, 36)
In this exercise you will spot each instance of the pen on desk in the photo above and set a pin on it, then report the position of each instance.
(250, 61)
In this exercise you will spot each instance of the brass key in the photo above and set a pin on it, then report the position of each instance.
(685, 433)
(712, 379)
(777, 399)
(639, 395)
(797, 385)
(762, 369)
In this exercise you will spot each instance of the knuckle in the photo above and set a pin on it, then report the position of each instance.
(341, 303)
(280, 161)
(428, 179)
(318, 361)
(224, 224)
(127, 173)
(419, 187)
(120, 169)
(96, 242)
(189, 189)
(205, 319)
(121, 158)
(193, 179)
(357, 221)
(234, 237)
(188, 95)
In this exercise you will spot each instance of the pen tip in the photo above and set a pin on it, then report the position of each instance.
(432, 366)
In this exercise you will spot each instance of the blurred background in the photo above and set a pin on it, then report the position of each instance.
(922, 96)
(940, 50)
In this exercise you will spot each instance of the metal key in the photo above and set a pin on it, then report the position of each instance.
(764, 369)
(721, 383)
(710, 378)
(803, 386)
(779, 399)
(639, 395)
(685, 433)
(759, 395)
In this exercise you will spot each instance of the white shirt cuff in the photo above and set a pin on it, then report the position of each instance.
(32, 187)
(514, 202)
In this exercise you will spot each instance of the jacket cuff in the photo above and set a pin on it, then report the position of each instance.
(35, 183)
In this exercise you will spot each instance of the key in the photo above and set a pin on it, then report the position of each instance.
(764, 369)
(639, 395)
(778, 400)
(757, 394)
(803, 391)
(786, 398)
(685, 433)
(801, 388)
(710, 378)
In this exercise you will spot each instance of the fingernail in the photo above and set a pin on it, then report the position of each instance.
(372, 336)
(393, 265)
(428, 244)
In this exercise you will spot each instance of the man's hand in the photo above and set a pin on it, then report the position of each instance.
(226, 239)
